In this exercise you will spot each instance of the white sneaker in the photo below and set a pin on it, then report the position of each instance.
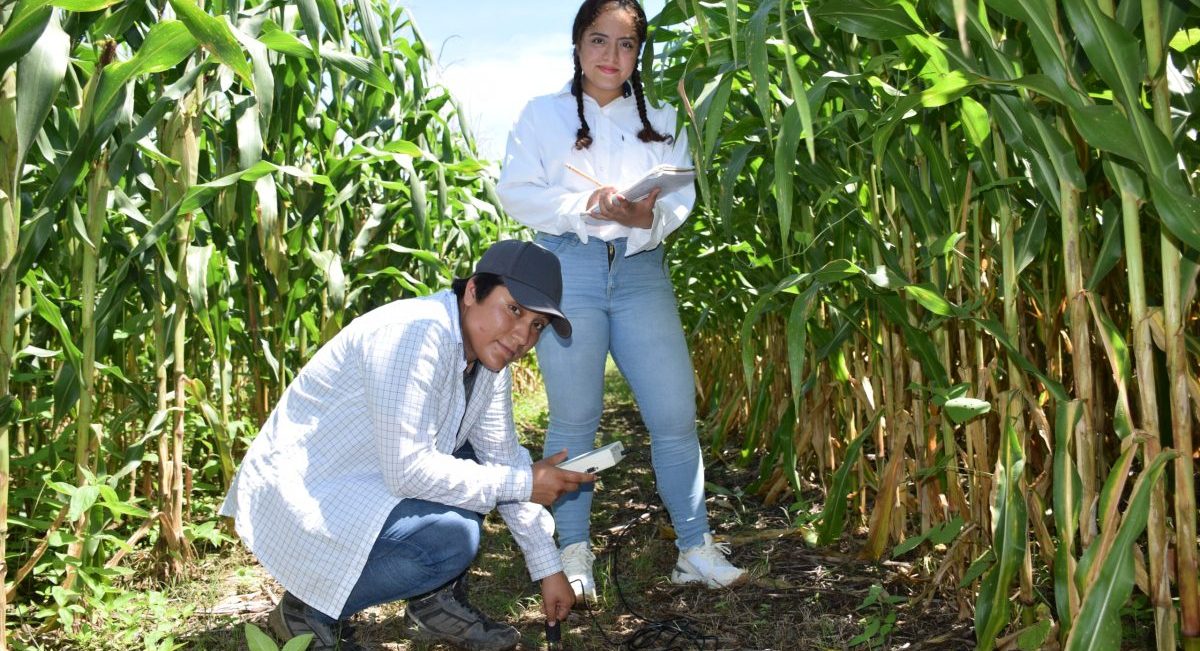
(577, 562)
(706, 564)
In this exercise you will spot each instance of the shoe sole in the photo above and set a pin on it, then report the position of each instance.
(685, 578)
(416, 632)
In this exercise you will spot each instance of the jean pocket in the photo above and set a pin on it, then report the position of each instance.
(554, 243)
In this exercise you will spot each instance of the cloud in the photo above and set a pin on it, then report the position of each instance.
(493, 89)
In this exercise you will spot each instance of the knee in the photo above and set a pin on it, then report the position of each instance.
(457, 537)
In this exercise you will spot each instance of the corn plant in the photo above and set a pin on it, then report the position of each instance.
(936, 228)
(194, 196)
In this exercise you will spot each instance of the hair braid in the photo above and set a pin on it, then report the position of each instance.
(647, 134)
(583, 137)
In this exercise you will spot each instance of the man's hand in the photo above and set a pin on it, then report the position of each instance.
(557, 597)
(551, 482)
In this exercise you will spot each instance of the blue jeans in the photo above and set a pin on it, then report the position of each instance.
(624, 306)
(422, 546)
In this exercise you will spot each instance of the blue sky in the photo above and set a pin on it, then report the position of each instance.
(495, 56)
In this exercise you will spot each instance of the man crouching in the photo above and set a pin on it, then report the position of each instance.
(368, 482)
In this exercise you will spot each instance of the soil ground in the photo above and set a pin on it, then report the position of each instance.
(800, 597)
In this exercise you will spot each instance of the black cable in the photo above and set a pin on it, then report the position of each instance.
(674, 634)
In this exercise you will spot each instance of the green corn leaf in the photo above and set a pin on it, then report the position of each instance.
(1060, 153)
(978, 567)
(833, 516)
(49, 312)
(369, 26)
(731, 15)
(975, 121)
(1014, 118)
(947, 531)
(198, 258)
(1009, 531)
(39, 78)
(710, 114)
(1098, 626)
(1110, 48)
(1107, 129)
(931, 299)
(1040, 23)
(310, 17)
(797, 340)
(909, 544)
(757, 42)
(362, 69)
(167, 43)
(964, 409)
(331, 17)
(1111, 249)
(1179, 212)
(264, 80)
(883, 21)
(284, 42)
(216, 36)
(752, 316)
(83, 6)
(24, 27)
(1120, 362)
(82, 500)
(1031, 237)
(946, 89)
(1067, 490)
(1044, 86)
(799, 94)
(785, 163)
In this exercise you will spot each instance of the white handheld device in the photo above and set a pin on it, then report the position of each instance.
(599, 459)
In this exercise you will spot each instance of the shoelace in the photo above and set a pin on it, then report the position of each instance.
(459, 594)
(717, 551)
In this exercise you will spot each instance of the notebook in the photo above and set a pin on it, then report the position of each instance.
(668, 177)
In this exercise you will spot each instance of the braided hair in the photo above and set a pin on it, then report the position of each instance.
(584, 18)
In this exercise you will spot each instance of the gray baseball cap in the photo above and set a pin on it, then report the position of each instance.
(532, 275)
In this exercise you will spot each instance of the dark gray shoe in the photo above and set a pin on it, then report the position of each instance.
(292, 618)
(445, 615)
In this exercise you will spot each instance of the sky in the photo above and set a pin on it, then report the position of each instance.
(495, 56)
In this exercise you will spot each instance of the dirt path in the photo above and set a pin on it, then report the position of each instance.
(800, 598)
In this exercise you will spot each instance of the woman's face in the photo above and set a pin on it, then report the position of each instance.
(608, 52)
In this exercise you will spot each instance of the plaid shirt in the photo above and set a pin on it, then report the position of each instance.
(371, 420)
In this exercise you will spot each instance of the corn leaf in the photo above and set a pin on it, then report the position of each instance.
(1009, 530)
(1098, 627)
(216, 36)
(24, 27)
(39, 78)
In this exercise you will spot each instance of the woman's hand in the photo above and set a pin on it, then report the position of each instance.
(557, 597)
(614, 207)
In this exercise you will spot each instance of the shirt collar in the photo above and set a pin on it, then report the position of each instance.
(566, 90)
(450, 300)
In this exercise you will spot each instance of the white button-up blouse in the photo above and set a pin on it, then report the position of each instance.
(538, 190)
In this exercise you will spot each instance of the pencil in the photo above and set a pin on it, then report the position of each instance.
(583, 174)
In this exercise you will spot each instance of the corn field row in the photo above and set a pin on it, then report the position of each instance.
(193, 197)
(966, 238)
(956, 242)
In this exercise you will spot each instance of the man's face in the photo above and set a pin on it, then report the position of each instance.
(498, 330)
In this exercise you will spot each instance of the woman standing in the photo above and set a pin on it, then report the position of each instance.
(616, 290)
